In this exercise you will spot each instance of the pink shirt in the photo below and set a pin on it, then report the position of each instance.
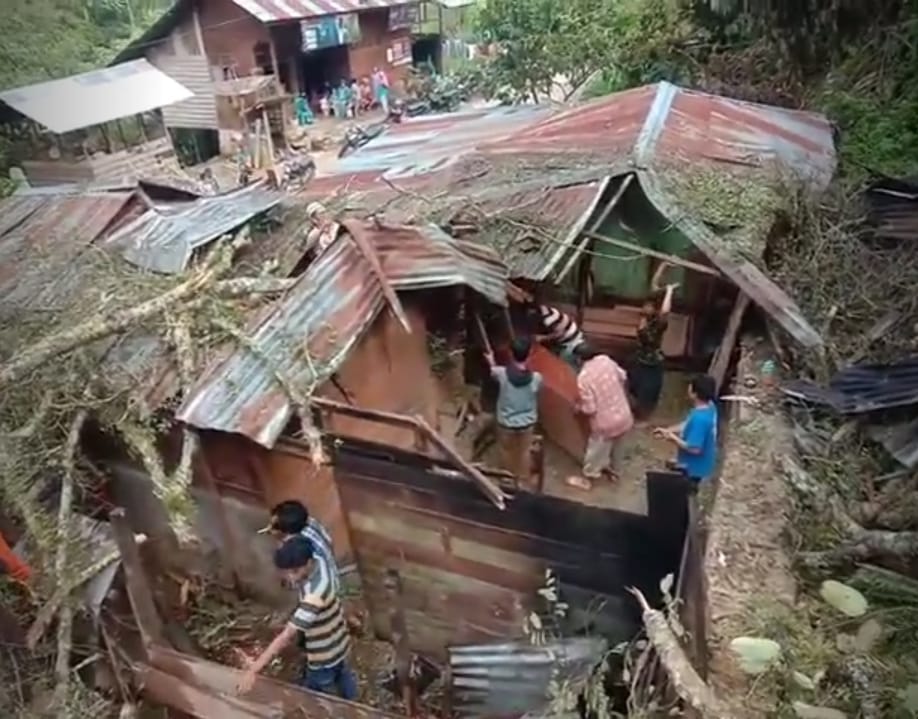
(603, 398)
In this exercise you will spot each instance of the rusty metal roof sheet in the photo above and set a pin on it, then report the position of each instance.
(164, 238)
(641, 127)
(512, 678)
(41, 231)
(310, 332)
(893, 208)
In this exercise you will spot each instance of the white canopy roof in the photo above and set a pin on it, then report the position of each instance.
(96, 97)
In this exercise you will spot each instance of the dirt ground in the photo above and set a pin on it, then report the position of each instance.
(641, 452)
(746, 561)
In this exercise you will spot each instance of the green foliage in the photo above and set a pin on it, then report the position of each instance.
(629, 42)
(45, 39)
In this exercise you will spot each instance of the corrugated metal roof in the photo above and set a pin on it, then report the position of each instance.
(863, 388)
(163, 239)
(193, 72)
(641, 127)
(310, 332)
(39, 231)
(893, 208)
(900, 440)
(95, 97)
(513, 678)
(279, 10)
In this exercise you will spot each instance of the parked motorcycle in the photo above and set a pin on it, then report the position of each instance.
(298, 169)
(357, 136)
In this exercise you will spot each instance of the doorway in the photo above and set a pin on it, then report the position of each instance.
(323, 69)
(427, 49)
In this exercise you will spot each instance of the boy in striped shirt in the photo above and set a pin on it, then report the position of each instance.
(319, 617)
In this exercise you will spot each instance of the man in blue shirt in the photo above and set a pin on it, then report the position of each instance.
(696, 437)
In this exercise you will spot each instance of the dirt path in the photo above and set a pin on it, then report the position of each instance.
(746, 560)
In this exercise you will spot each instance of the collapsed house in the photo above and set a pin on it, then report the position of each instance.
(382, 335)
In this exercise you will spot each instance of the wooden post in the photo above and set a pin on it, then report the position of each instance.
(230, 550)
(138, 588)
(399, 625)
(198, 34)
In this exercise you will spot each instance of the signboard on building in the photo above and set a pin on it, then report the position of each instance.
(401, 16)
(399, 52)
(329, 31)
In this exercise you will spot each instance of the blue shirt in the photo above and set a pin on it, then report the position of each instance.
(699, 433)
(517, 407)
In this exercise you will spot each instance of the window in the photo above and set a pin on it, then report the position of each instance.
(262, 55)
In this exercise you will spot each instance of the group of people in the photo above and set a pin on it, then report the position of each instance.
(305, 558)
(347, 100)
(609, 396)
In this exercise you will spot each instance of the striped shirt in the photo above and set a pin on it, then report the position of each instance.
(320, 617)
(316, 533)
(561, 325)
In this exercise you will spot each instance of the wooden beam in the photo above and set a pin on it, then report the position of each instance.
(619, 193)
(721, 360)
(138, 588)
(399, 625)
(357, 234)
(671, 259)
(230, 551)
(492, 491)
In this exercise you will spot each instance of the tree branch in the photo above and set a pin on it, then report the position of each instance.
(65, 617)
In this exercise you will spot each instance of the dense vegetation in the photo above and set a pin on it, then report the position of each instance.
(45, 39)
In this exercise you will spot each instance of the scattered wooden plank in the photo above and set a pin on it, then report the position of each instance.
(138, 588)
(721, 360)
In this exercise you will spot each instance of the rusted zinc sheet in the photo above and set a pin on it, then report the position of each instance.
(642, 127)
(900, 440)
(325, 314)
(42, 232)
(863, 388)
(893, 208)
(271, 697)
(470, 572)
(163, 240)
(509, 679)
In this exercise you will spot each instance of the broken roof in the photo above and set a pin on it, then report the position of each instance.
(163, 239)
(430, 168)
(310, 331)
(96, 97)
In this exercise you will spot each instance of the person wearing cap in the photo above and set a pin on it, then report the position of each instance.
(318, 618)
(322, 229)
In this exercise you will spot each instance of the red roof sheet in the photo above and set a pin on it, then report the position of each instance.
(279, 10)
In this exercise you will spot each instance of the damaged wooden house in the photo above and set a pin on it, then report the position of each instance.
(360, 390)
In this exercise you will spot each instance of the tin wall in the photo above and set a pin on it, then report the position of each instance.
(470, 571)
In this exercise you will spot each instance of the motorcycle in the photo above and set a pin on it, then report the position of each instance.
(356, 137)
(298, 169)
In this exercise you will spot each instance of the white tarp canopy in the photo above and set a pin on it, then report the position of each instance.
(93, 98)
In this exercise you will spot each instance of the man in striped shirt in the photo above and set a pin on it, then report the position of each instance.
(319, 617)
(560, 329)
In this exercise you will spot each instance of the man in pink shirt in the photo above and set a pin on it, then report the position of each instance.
(603, 398)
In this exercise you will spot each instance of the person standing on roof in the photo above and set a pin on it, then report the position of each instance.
(517, 408)
(319, 618)
(603, 399)
(646, 371)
